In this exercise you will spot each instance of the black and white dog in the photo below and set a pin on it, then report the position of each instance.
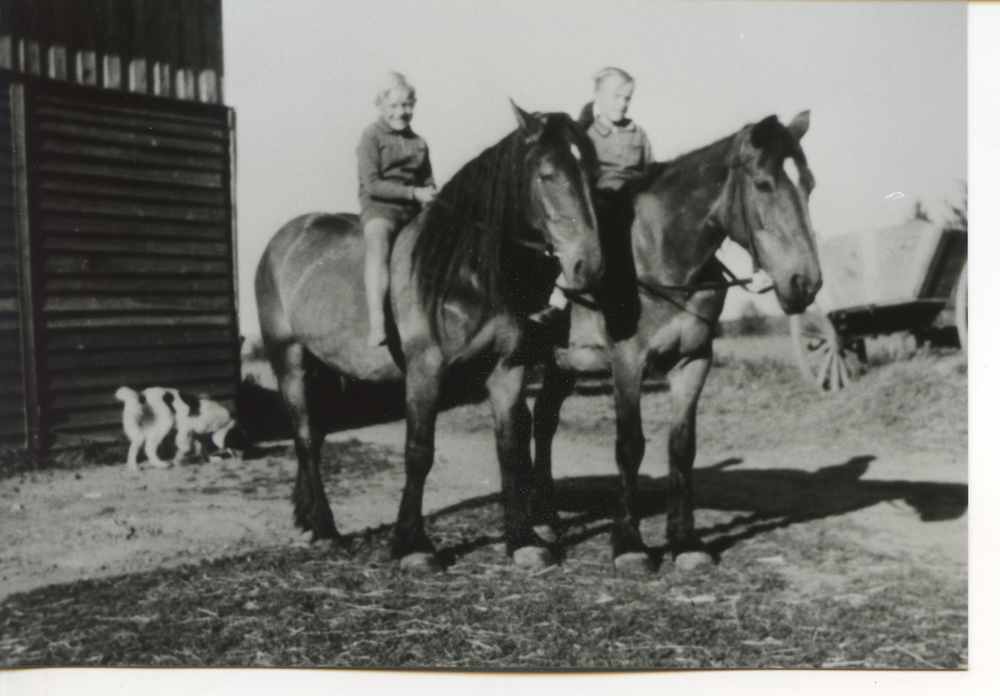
(150, 415)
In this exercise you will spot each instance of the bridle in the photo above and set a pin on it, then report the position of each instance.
(751, 219)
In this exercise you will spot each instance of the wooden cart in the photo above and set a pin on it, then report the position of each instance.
(910, 278)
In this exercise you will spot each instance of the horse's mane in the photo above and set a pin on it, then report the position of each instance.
(657, 169)
(465, 235)
(786, 146)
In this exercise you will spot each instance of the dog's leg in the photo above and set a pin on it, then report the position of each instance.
(152, 444)
(183, 442)
(133, 454)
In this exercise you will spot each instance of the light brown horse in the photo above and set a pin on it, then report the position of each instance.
(463, 274)
(736, 187)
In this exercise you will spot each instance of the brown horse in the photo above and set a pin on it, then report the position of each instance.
(736, 187)
(462, 276)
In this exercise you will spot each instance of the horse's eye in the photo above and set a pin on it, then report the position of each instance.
(763, 185)
(546, 173)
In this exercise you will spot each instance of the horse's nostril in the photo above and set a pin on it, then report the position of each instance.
(799, 285)
(577, 269)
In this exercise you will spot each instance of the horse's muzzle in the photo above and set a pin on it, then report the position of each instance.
(584, 270)
(798, 293)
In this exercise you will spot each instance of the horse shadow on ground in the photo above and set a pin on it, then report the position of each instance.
(340, 403)
(767, 498)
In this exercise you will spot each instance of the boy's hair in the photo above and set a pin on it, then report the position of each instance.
(391, 82)
(604, 74)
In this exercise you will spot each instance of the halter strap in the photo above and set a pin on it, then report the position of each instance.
(749, 226)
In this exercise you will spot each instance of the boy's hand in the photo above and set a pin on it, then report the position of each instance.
(424, 194)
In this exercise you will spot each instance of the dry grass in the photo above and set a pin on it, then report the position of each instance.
(316, 607)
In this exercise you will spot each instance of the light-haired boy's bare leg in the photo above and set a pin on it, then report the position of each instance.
(377, 233)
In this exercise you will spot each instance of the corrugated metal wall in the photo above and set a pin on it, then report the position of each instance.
(11, 377)
(132, 251)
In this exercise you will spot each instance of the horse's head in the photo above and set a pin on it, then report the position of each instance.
(561, 162)
(773, 210)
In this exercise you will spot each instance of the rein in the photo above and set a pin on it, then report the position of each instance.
(662, 291)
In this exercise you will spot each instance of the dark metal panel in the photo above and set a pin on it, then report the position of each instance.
(132, 119)
(150, 356)
(115, 244)
(65, 222)
(113, 378)
(138, 320)
(96, 285)
(134, 255)
(114, 174)
(138, 338)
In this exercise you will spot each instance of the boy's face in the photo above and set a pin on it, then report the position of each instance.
(613, 97)
(396, 108)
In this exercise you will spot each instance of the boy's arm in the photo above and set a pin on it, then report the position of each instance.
(647, 150)
(371, 178)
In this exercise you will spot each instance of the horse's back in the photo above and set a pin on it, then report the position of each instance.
(310, 289)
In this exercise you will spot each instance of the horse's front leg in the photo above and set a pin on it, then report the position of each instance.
(556, 386)
(627, 547)
(423, 385)
(686, 381)
(512, 422)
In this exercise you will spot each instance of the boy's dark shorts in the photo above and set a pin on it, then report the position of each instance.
(618, 293)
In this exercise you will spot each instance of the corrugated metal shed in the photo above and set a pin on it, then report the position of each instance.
(117, 230)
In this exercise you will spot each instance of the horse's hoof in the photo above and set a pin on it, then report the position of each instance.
(546, 533)
(420, 563)
(692, 560)
(533, 557)
(635, 563)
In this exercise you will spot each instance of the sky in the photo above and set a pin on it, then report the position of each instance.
(885, 83)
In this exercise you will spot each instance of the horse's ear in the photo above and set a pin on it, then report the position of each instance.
(799, 125)
(526, 121)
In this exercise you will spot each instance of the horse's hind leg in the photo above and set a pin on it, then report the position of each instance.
(627, 547)
(312, 509)
(556, 386)
(512, 421)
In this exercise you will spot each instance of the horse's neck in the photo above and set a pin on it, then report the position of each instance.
(678, 230)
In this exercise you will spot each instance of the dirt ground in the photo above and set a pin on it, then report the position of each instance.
(884, 465)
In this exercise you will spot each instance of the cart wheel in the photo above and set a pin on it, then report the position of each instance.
(825, 358)
(962, 308)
